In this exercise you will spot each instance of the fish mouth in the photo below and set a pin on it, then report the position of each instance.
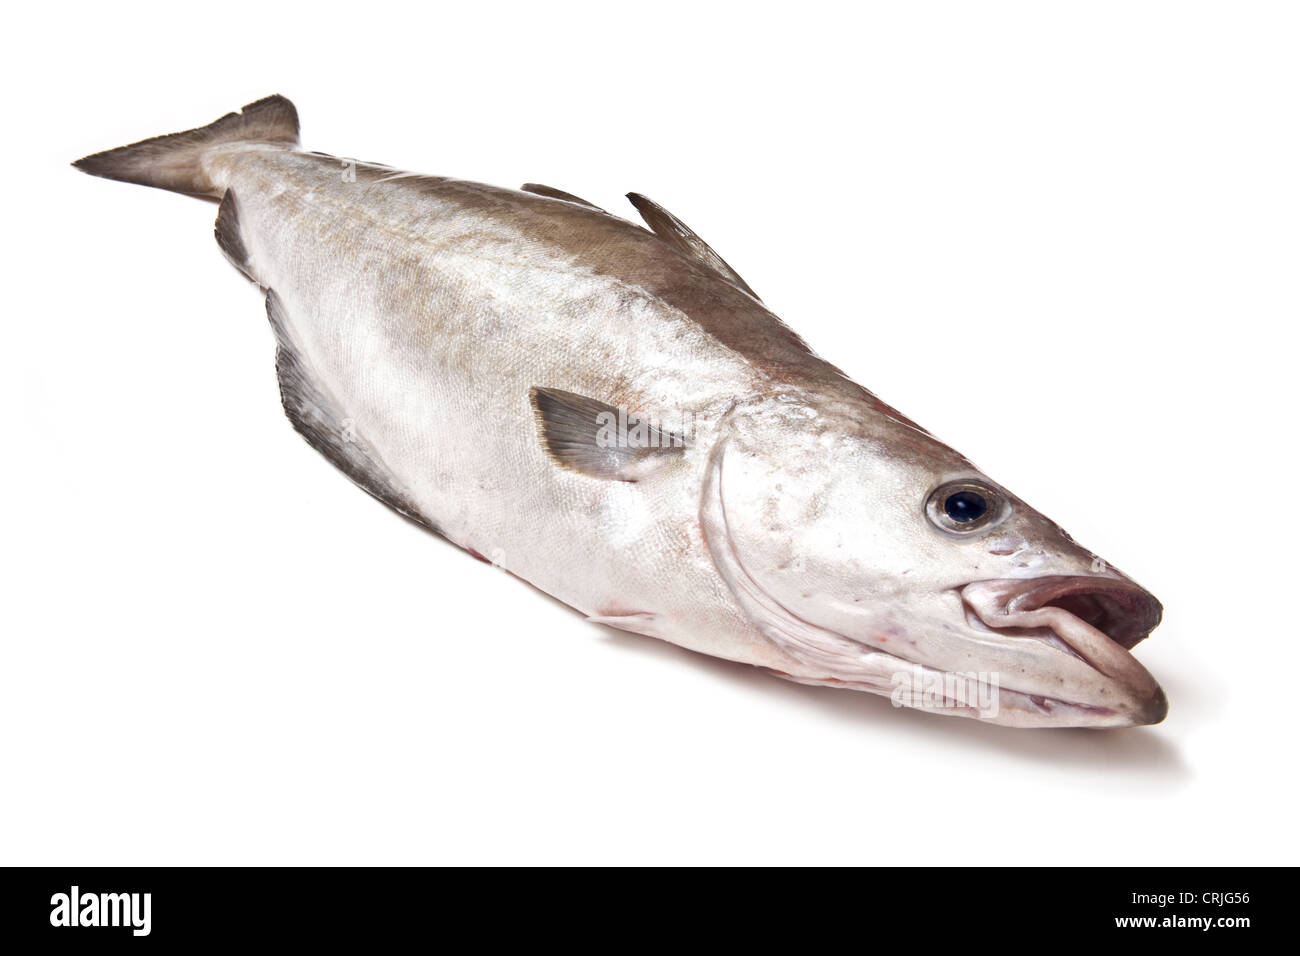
(1098, 620)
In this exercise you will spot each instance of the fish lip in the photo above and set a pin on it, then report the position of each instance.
(1126, 613)
(1096, 619)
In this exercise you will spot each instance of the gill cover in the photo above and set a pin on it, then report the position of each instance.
(738, 484)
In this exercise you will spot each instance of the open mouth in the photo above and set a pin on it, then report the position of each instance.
(1096, 619)
(1123, 612)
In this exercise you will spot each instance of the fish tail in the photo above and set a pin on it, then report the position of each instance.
(176, 161)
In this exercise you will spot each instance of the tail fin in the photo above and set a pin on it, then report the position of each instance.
(175, 161)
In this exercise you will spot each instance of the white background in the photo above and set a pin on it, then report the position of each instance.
(1062, 237)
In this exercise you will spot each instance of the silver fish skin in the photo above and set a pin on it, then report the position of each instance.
(610, 413)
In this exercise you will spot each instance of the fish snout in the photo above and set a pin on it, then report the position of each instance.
(1096, 621)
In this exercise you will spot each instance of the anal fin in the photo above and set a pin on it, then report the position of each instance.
(318, 417)
(229, 236)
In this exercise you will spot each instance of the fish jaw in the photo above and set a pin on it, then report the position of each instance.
(1097, 619)
(1116, 690)
(1113, 691)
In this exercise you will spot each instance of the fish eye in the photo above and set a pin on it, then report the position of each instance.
(964, 506)
(961, 507)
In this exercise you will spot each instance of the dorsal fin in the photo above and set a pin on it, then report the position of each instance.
(550, 192)
(680, 236)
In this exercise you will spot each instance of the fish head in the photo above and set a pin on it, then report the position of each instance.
(878, 558)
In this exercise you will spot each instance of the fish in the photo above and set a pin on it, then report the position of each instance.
(609, 412)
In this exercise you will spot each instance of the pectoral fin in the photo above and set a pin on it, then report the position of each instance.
(680, 236)
(598, 440)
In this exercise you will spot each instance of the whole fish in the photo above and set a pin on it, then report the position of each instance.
(610, 413)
